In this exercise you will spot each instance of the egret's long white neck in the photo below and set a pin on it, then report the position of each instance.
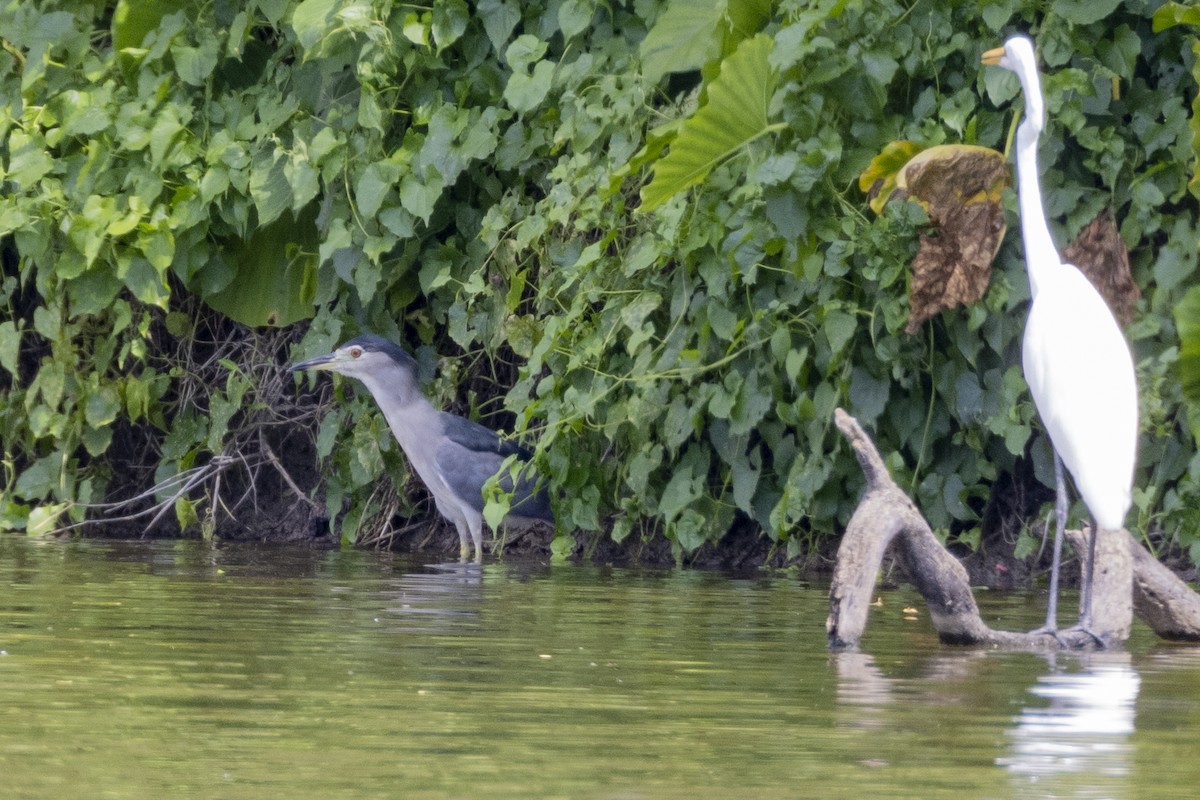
(1035, 233)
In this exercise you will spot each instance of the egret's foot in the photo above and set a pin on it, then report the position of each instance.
(1085, 629)
(464, 552)
(1050, 630)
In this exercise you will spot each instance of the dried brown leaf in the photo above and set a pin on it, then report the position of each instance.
(960, 187)
(1101, 255)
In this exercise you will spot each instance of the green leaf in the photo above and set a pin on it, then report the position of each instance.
(735, 115)
(574, 16)
(657, 140)
(366, 465)
(137, 398)
(1172, 14)
(642, 466)
(186, 432)
(450, 18)
(311, 20)
(1084, 12)
(10, 347)
(166, 130)
(185, 514)
(868, 395)
(1187, 320)
(133, 19)
(43, 520)
(328, 431)
(690, 530)
(275, 273)
(28, 161)
(158, 246)
(40, 478)
(48, 321)
(561, 548)
(681, 489)
(753, 402)
(93, 291)
(220, 411)
(621, 528)
(881, 174)
(1120, 54)
(746, 474)
(304, 181)
(747, 17)
(97, 440)
(679, 424)
(269, 185)
(500, 18)
(526, 91)
(145, 282)
(416, 29)
(86, 113)
(418, 198)
(524, 51)
(102, 406)
(373, 186)
(839, 327)
(995, 13)
(496, 502)
(684, 38)
(193, 65)
(634, 315)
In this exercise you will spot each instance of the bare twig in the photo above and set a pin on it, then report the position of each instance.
(270, 454)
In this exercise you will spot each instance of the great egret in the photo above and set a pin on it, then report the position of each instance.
(1076, 360)
(454, 456)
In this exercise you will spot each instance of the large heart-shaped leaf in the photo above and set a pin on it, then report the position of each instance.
(734, 116)
(274, 278)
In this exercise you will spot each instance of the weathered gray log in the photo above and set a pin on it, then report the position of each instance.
(1112, 584)
(886, 515)
(1161, 599)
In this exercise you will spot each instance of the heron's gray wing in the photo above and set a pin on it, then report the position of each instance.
(471, 454)
(478, 439)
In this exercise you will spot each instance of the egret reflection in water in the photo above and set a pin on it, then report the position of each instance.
(1075, 740)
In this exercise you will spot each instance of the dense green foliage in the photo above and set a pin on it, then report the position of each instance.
(467, 178)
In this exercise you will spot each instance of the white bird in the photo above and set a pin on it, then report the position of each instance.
(1076, 360)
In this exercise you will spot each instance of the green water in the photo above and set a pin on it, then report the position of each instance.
(172, 669)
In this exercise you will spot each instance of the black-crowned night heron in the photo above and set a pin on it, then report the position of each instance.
(454, 456)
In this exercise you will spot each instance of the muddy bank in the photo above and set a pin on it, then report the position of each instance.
(282, 501)
(744, 549)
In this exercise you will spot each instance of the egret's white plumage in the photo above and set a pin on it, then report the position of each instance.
(1081, 376)
(1076, 359)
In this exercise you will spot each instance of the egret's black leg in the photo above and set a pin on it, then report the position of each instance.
(1084, 625)
(1060, 525)
(1085, 590)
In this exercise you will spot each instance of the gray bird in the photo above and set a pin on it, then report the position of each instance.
(454, 456)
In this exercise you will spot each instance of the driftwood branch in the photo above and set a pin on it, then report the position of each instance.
(886, 516)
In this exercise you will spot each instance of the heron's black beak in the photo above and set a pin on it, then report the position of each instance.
(329, 361)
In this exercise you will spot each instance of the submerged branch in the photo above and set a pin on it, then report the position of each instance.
(885, 515)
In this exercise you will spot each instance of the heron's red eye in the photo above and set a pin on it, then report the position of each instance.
(355, 352)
